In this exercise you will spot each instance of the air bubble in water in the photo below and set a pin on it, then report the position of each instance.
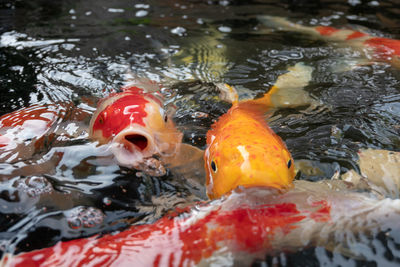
(75, 223)
(107, 201)
(178, 31)
(141, 13)
(87, 217)
(34, 185)
(224, 29)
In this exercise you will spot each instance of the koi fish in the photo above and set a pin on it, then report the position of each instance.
(24, 126)
(246, 225)
(133, 122)
(26, 131)
(375, 48)
(28, 134)
(242, 150)
(137, 127)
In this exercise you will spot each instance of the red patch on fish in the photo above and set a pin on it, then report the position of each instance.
(356, 35)
(384, 47)
(156, 96)
(323, 213)
(42, 114)
(326, 30)
(123, 112)
(253, 228)
(29, 124)
(174, 241)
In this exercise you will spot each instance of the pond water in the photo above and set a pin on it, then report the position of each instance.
(77, 52)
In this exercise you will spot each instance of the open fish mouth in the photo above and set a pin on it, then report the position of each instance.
(138, 140)
(131, 146)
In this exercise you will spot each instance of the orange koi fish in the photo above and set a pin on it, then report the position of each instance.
(137, 127)
(236, 230)
(242, 150)
(376, 48)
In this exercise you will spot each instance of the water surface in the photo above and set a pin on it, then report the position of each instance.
(80, 51)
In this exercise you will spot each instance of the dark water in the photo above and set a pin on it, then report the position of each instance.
(52, 51)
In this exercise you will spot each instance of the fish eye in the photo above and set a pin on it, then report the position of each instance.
(213, 166)
(289, 163)
(101, 119)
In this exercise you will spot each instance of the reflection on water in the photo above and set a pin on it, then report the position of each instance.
(80, 51)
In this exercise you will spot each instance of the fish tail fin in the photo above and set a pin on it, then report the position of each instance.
(283, 24)
(274, 22)
(288, 89)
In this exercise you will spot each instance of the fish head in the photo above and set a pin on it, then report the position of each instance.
(247, 153)
(136, 126)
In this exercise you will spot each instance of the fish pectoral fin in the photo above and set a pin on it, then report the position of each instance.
(298, 76)
(227, 93)
(188, 159)
(188, 164)
(381, 167)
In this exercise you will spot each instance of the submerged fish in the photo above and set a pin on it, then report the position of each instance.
(242, 150)
(246, 225)
(375, 48)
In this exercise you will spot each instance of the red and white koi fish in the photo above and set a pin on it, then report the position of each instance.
(24, 126)
(246, 225)
(133, 122)
(26, 131)
(137, 127)
(375, 48)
